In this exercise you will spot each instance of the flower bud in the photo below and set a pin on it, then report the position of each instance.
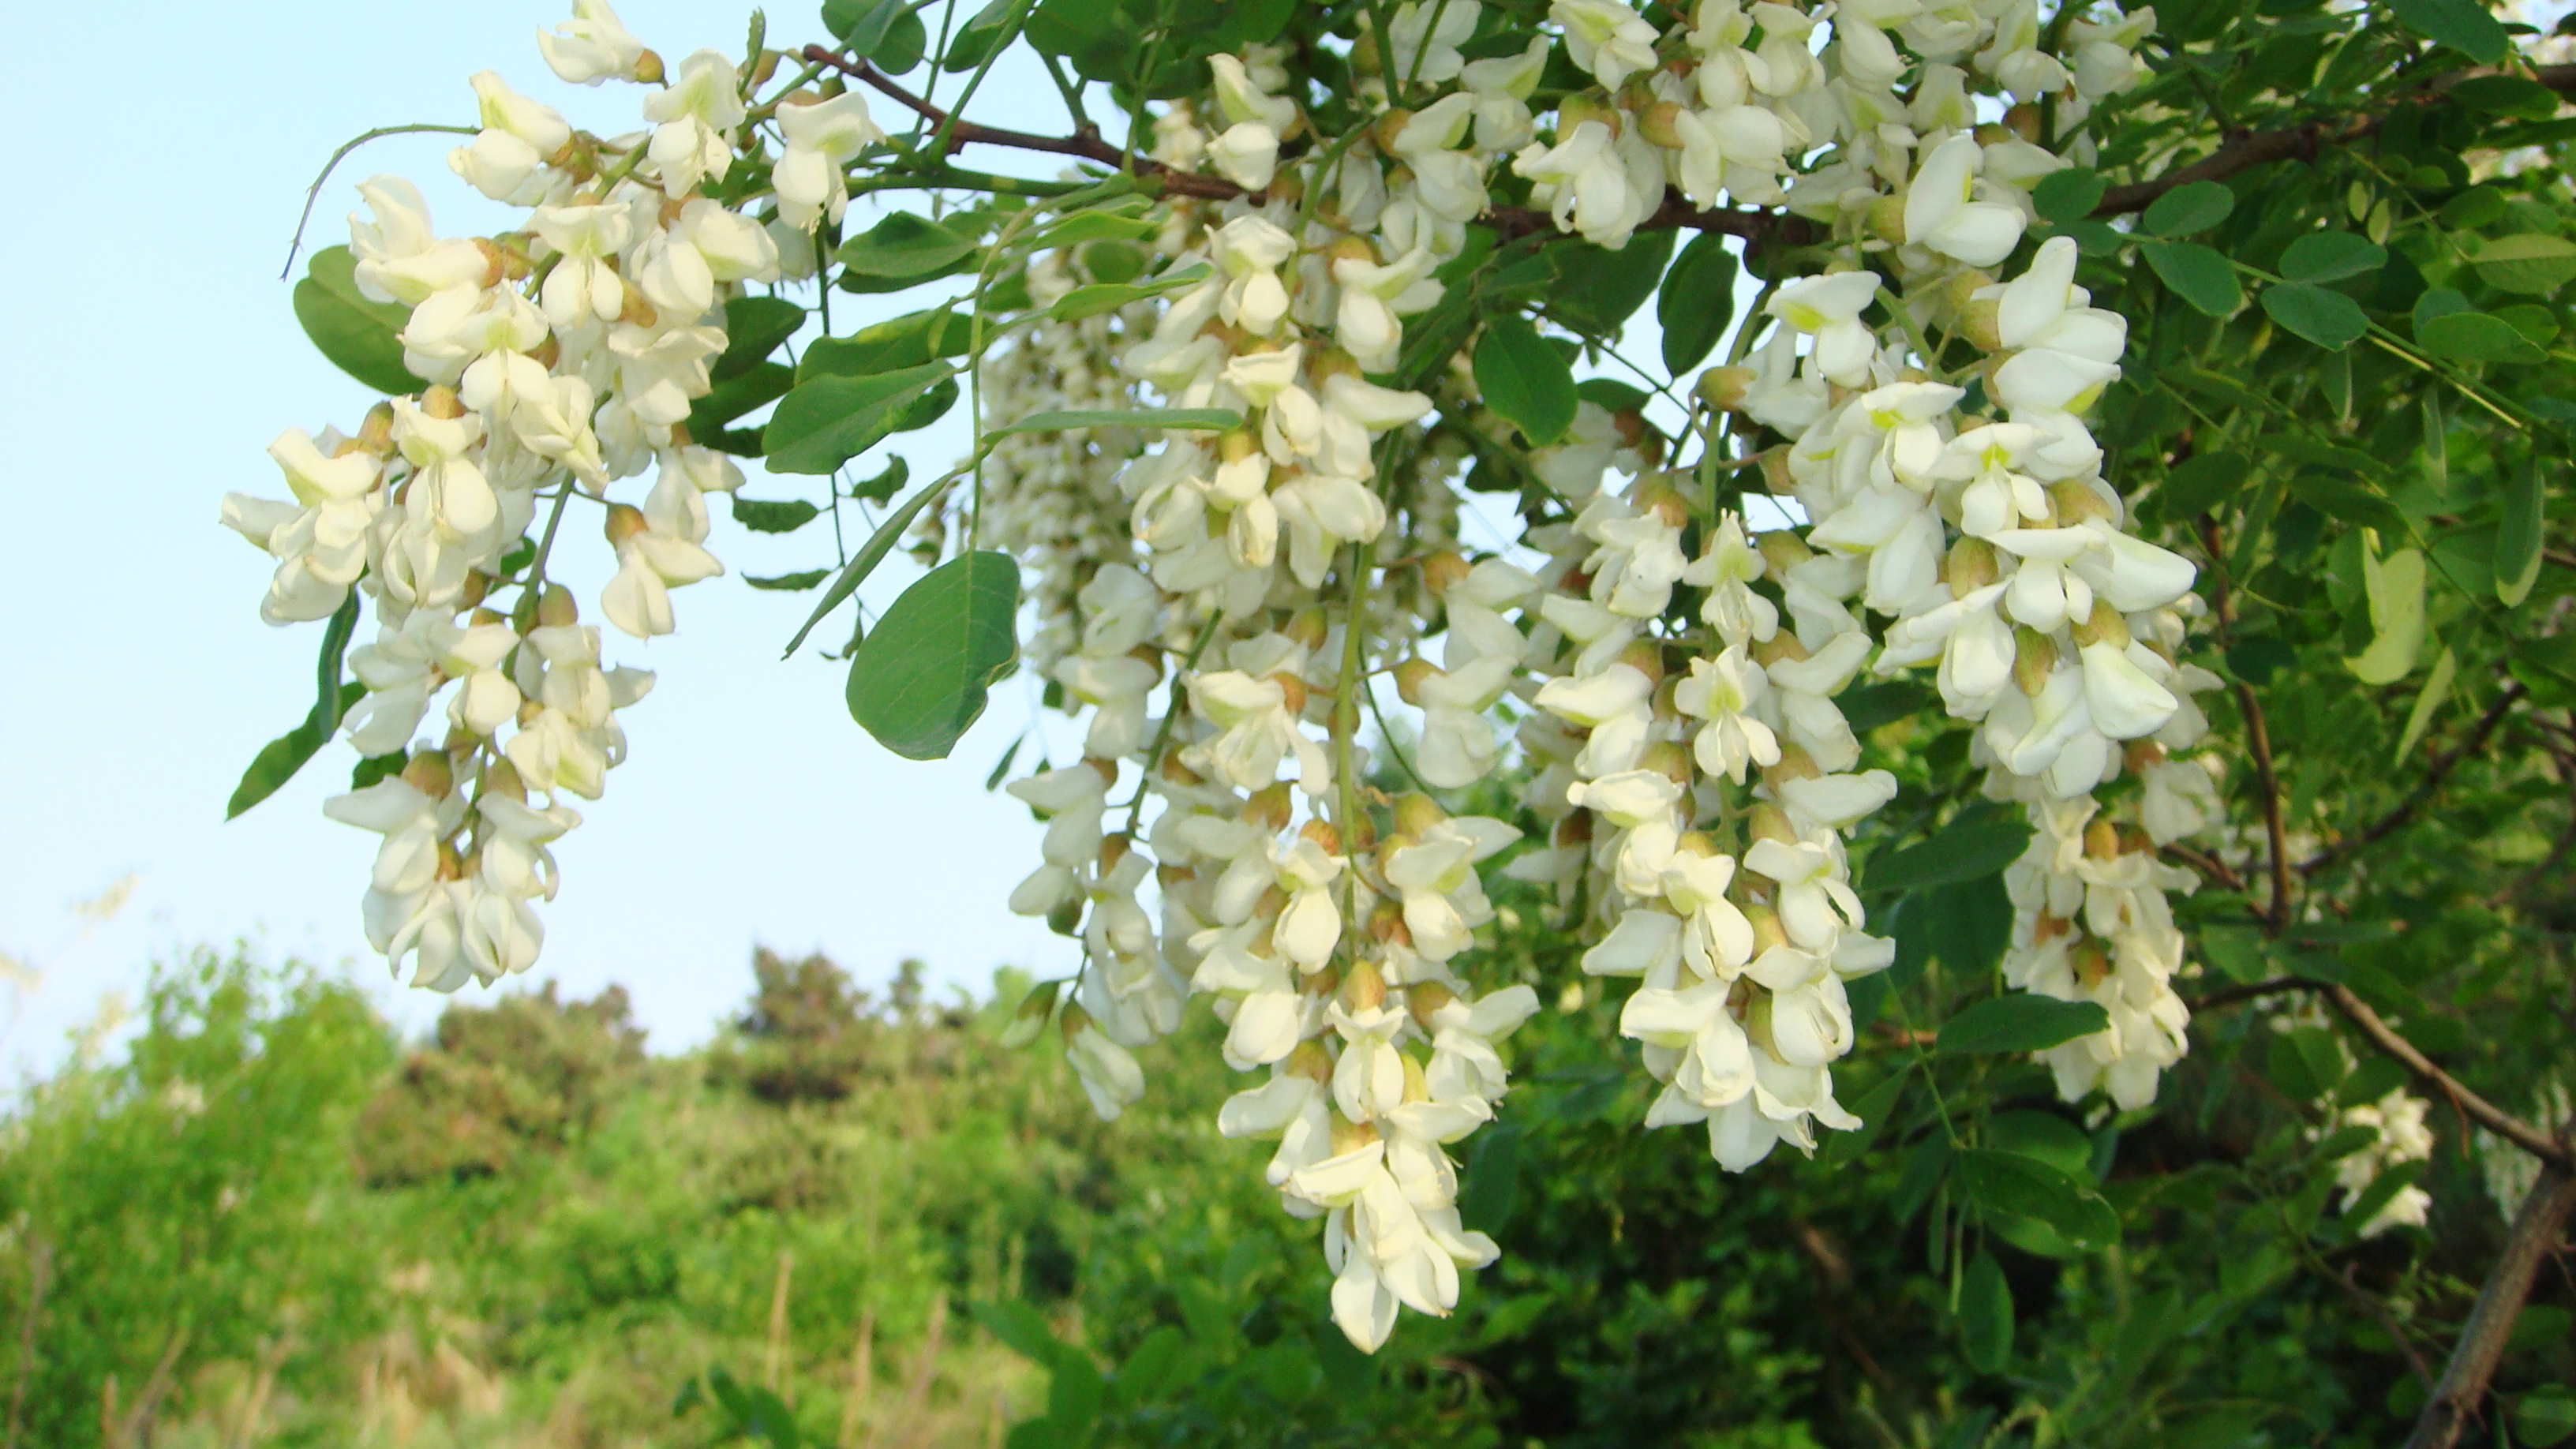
(376, 434)
(1696, 843)
(1390, 126)
(1113, 849)
(1308, 627)
(1323, 834)
(478, 587)
(1723, 387)
(1656, 123)
(1417, 1088)
(556, 608)
(648, 69)
(1386, 923)
(1416, 813)
(1363, 987)
(2103, 626)
(1269, 807)
(1030, 1017)
(451, 866)
(2048, 928)
(1292, 692)
(1574, 829)
(1646, 656)
(1970, 566)
(548, 352)
(1427, 1001)
(2101, 840)
(764, 68)
(1350, 1137)
(2023, 121)
(2092, 964)
(1310, 1061)
(1410, 676)
(2141, 755)
(1670, 760)
(1780, 646)
(638, 312)
(1767, 821)
(624, 522)
(1238, 445)
(1066, 919)
(1980, 321)
(2034, 659)
(496, 263)
(1657, 493)
(1781, 549)
(1444, 571)
(502, 778)
(1795, 764)
(1574, 110)
(430, 774)
(1767, 930)
(1885, 220)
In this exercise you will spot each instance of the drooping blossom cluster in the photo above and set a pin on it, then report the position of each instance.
(1222, 608)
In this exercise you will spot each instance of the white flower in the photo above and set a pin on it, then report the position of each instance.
(1940, 212)
(697, 114)
(592, 46)
(1829, 308)
(821, 139)
(1256, 731)
(507, 159)
(1606, 38)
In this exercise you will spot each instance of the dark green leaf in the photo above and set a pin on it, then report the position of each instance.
(1985, 1314)
(830, 420)
(788, 583)
(884, 485)
(1490, 1186)
(1596, 290)
(762, 515)
(376, 767)
(360, 337)
(2543, 1417)
(2331, 320)
(754, 326)
(2476, 337)
(864, 562)
(2519, 535)
(1966, 848)
(2473, 208)
(907, 247)
(2067, 195)
(1100, 297)
(2196, 274)
(1214, 420)
(2327, 256)
(918, 680)
(2202, 482)
(1023, 1330)
(2009, 1183)
(2530, 262)
(1086, 32)
(2192, 207)
(2021, 1022)
(2044, 1136)
(279, 759)
(1697, 302)
(890, 346)
(1874, 1110)
(1865, 707)
(993, 782)
(1524, 380)
(761, 384)
(2506, 95)
(1970, 923)
(2463, 25)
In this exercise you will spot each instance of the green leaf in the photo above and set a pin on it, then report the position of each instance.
(918, 680)
(2437, 687)
(890, 346)
(279, 759)
(754, 326)
(1697, 302)
(1524, 380)
(864, 562)
(1088, 33)
(2202, 482)
(1596, 290)
(762, 515)
(1985, 1314)
(829, 420)
(2519, 535)
(2327, 256)
(762, 383)
(1092, 226)
(2021, 1022)
(1967, 848)
(2331, 320)
(1874, 1110)
(2506, 95)
(2191, 207)
(360, 337)
(2196, 274)
(2476, 337)
(1213, 420)
(1490, 1187)
(376, 767)
(905, 246)
(2044, 1137)
(2473, 208)
(1100, 297)
(884, 485)
(2009, 1183)
(1023, 1330)
(2529, 262)
(2395, 587)
(788, 583)
(2463, 25)
(2068, 195)
(2544, 1417)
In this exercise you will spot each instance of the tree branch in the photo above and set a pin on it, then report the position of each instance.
(2536, 1230)
(2258, 742)
(2234, 994)
(2548, 1149)
(2443, 763)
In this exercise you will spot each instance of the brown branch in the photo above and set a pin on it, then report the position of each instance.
(2258, 743)
(2388, 1324)
(2495, 1119)
(2234, 994)
(2299, 143)
(2442, 766)
(2218, 872)
(2535, 1235)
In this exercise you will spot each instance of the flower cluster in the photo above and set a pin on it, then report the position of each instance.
(559, 360)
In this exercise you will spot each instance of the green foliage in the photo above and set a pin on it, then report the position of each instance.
(918, 680)
(279, 759)
(361, 337)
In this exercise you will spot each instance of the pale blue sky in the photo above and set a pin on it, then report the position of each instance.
(158, 357)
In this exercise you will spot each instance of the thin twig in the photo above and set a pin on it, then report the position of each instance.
(313, 193)
(2537, 1227)
(863, 1372)
(40, 1273)
(2388, 1324)
(2230, 996)
(2415, 800)
(2494, 1118)
(2258, 743)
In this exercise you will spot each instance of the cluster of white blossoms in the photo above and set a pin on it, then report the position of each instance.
(2400, 1136)
(1219, 605)
(559, 360)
